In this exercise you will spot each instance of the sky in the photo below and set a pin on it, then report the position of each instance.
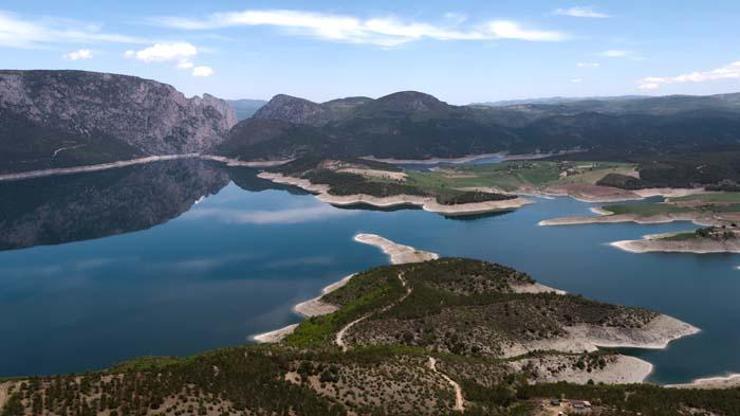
(460, 51)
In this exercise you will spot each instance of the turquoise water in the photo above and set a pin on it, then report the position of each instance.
(203, 275)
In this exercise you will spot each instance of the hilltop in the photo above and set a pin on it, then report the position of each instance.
(458, 336)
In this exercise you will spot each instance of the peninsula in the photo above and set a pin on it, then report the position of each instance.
(431, 335)
(359, 182)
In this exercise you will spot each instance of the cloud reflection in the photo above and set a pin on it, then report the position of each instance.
(278, 216)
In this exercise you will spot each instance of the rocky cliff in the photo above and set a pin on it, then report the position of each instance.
(52, 118)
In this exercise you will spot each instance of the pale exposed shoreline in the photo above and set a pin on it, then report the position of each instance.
(397, 254)
(276, 335)
(92, 168)
(426, 203)
(470, 158)
(248, 163)
(656, 334)
(720, 382)
(138, 161)
(607, 194)
(652, 244)
(605, 217)
(620, 369)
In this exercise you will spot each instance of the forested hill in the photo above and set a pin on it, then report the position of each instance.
(414, 125)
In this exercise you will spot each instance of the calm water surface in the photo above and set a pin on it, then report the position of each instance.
(218, 256)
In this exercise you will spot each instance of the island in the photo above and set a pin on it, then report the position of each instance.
(360, 182)
(423, 336)
(714, 239)
(704, 208)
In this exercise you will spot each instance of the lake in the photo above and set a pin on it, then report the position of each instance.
(174, 258)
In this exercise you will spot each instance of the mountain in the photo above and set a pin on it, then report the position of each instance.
(554, 100)
(245, 108)
(301, 111)
(630, 104)
(414, 125)
(67, 118)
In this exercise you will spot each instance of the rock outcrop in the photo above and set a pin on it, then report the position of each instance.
(54, 118)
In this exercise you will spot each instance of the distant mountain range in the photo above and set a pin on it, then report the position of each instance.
(66, 118)
(414, 125)
(245, 108)
(628, 104)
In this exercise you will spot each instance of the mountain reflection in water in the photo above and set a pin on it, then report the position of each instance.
(61, 209)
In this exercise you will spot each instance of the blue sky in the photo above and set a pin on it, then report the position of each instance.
(460, 51)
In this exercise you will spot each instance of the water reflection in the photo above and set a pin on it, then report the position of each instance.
(62, 209)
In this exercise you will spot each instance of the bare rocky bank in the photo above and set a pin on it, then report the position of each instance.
(657, 333)
(426, 203)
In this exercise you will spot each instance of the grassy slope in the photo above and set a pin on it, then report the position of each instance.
(721, 202)
(514, 175)
(252, 379)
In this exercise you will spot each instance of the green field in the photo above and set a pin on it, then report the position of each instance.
(713, 197)
(646, 210)
(513, 175)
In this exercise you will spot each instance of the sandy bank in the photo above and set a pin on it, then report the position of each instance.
(426, 203)
(653, 243)
(397, 254)
(139, 161)
(723, 382)
(436, 160)
(5, 392)
(603, 194)
(606, 217)
(619, 369)
(92, 168)
(470, 158)
(276, 335)
(245, 163)
(315, 307)
(657, 334)
(536, 288)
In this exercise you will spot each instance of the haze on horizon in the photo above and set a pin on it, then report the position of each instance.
(460, 52)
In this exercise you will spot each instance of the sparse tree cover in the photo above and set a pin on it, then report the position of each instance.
(325, 172)
(307, 374)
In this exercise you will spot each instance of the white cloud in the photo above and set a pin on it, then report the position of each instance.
(385, 31)
(165, 52)
(202, 71)
(587, 12)
(588, 64)
(17, 32)
(576, 80)
(293, 215)
(180, 53)
(617, 53)
(730, 71)
(78, 55)
(503, 29)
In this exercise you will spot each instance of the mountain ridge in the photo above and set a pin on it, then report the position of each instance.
(67, 118)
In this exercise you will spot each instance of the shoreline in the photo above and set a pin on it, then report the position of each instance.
(397, 254)
(428, 204)
(655, 244)
(245, 163)
(470, 158)
(717, 382)
(92, 168)
(619, 369)
(658, 333)
(605, 217)
(40, 173)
